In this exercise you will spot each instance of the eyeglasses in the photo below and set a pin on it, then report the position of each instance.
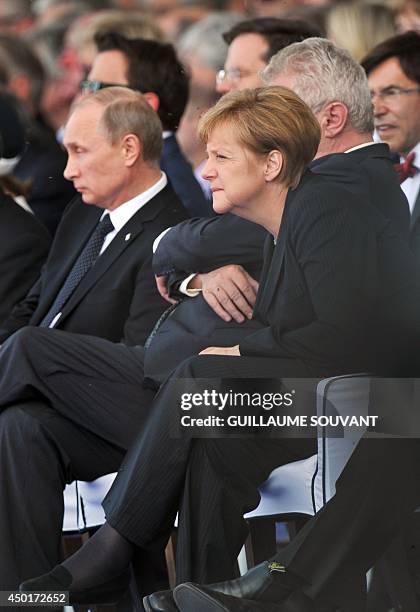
(391, 94)
(88, 86)
(233, 74)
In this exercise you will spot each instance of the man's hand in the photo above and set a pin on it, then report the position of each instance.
(163, 290)
(230, 291)
(222, 350)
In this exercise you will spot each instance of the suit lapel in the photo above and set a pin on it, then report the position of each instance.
(119, 244)
(85, 227)
(416, 211)
(273, 275)
(273, 264)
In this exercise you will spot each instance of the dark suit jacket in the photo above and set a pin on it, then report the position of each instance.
(24, 248)
(368, 172)
(415, 229)
(183, 181)
(338, 288)
(117, 299)
(201, 245)
(43, 164)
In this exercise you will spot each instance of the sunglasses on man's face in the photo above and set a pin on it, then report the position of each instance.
(88, 86)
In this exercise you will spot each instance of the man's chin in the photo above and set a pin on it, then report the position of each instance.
(87, 199)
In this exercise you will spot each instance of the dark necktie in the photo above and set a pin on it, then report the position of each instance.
(406, 169)
(83, 263)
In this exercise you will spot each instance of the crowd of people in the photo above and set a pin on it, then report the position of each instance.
(195, 195)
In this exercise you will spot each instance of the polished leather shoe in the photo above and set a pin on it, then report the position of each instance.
(161, 601)
(268, 581)
(265, 582)
(59, 579)
(193, 598)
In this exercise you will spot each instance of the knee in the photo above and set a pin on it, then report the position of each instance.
(18, 342)
(189, 368)
(16, 424)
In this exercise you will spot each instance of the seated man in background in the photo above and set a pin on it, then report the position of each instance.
(153, 69)
(394, 79)
(314, 69)
(24, 240)
(124, 203)
(44, 160)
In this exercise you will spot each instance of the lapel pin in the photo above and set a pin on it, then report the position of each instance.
(127, 237)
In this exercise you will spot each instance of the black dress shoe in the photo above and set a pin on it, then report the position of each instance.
(59, 579)
(268, 581)
(265, 582)
(193, 598)
(161, 601)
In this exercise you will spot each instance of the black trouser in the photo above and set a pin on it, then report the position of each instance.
(79, 403)
(212, 482)
(377, 489)
(71, 406)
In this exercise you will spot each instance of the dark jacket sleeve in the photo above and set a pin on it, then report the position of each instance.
(25, 244)
(201, 245)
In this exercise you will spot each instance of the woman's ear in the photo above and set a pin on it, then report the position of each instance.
(273, 165)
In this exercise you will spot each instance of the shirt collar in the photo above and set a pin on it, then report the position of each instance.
(360, 146)
(123, 213)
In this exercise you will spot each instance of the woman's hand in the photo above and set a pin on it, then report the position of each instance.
(222, 350)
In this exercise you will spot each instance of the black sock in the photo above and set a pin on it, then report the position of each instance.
(104, 556)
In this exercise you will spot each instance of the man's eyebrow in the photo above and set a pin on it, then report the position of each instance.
(389, 87)
(70, 145)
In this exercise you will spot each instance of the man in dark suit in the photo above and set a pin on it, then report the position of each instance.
(346, 154)
(114, 140)
(394, 79)
(25, 243)
(154, 69)
(121, 281)
(44, 160)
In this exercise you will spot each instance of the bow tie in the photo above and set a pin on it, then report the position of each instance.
(406, 169)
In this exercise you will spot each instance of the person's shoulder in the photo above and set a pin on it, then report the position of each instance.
(168, 204)
(321, 196)
(15, 220)
(325, 191)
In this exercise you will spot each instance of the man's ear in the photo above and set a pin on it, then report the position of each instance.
(131, 149)
(333, 119)
(273, 165)
(152, 99)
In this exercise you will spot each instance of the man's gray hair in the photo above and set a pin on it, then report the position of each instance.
(204, 40)
(321, 73)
